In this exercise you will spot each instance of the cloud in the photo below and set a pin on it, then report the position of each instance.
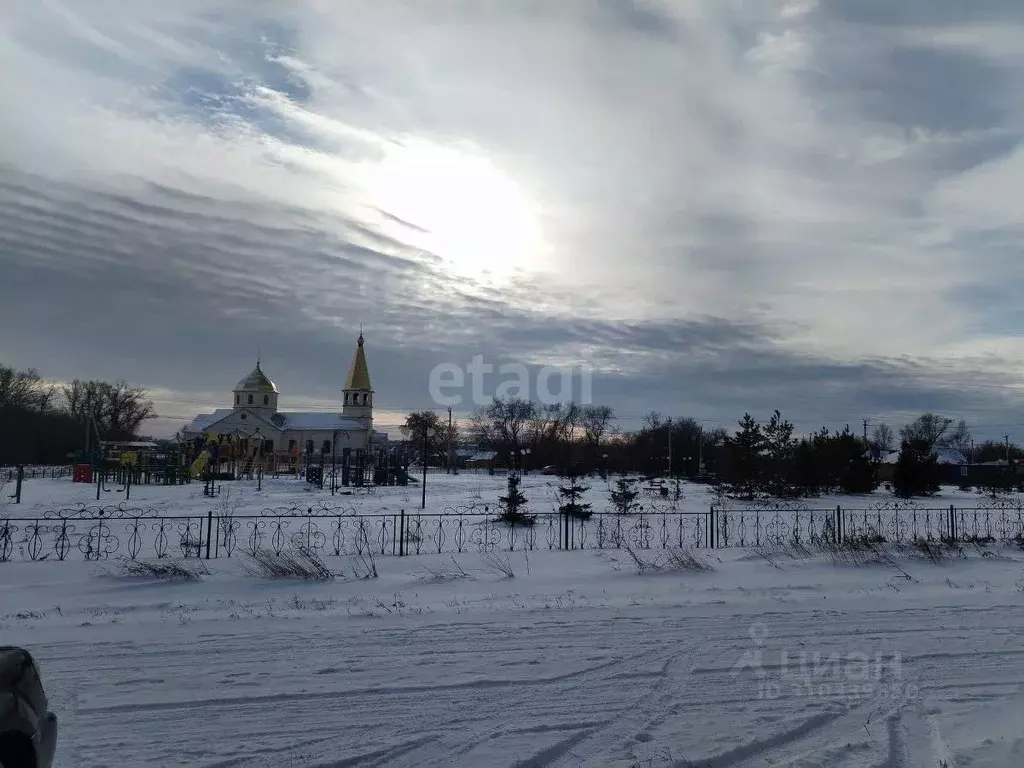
(722, 206)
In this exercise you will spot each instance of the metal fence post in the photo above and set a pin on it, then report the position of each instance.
(952, 523)
(209, 529)
(401, 533)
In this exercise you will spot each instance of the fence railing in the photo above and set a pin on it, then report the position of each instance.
(102, 532)
(10, 474)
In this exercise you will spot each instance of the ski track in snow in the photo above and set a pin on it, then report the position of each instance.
(576, 661)
(594, 689)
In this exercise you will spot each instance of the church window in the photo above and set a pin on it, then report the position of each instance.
(327, 447)
(250, 399)
(266, 399)
(309, 446)
(238, 399)
(366, 399)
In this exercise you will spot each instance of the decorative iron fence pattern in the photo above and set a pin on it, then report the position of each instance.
(103, 532)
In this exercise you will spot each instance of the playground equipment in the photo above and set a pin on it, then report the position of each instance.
(250, 460)
(199, 466)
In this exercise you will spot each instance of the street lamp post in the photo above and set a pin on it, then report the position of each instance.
(334, 461)
(427, 433)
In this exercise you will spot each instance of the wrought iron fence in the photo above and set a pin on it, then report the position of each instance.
(103, 532)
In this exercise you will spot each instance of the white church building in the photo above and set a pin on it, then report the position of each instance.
(253, 426)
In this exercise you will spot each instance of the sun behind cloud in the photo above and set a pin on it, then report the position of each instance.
(461, 207)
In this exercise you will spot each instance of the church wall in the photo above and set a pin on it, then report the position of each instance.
(351, 440)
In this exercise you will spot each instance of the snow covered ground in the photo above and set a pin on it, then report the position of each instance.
(443, 491)
(768, 659)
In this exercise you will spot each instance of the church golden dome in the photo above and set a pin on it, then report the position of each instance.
(257, 381)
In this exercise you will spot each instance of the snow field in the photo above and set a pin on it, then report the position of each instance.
(771, 658)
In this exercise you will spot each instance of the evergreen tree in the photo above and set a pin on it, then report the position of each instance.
(745, 457)
(996, 481)
(917, 470)
(779, 446)
(624, 496)
(571, 496)
(513, 503)
(807, 474)
(857, 472)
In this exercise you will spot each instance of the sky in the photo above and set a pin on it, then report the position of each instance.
(714, 206)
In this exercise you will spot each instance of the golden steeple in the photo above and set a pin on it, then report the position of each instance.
(358, 374)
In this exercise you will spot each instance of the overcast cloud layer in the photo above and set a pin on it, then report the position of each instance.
(721, 205)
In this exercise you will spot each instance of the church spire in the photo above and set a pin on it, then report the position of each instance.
(358, 393)
(358, 373)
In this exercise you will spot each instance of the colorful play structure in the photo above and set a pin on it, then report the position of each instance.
(217, 458)
(202, 462)
(131, 462)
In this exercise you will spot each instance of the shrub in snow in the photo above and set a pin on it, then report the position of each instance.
(299, 563)
(165, 570)
(363, 564)
(444, 572)
(673, 560)
(499, 564)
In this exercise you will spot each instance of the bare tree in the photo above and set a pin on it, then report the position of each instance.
(24, 390)
(959, 439)
(882, 442)
(118, 408)
(653, 420)
(596, 420)
(553, 429)
(481, 430)
(928, 428)
(507, 422)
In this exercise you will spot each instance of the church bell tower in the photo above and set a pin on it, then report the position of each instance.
(357, 396)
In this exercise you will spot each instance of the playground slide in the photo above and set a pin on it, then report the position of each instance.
(199, 465)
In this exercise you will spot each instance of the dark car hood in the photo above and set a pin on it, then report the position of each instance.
(18, 674)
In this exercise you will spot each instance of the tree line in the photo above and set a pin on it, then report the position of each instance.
(42, 422)
(756, 459)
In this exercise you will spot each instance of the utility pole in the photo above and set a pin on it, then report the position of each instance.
(427, 432)
(700, 450)
(866, 421)
(670, 447)
(449, 439)
(1007, 439)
